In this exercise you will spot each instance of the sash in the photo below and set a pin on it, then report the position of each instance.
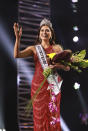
(52, 78)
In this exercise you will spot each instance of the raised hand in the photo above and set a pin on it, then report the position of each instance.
(17, 30)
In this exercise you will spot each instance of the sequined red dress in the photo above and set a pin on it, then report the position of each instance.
(41, 113)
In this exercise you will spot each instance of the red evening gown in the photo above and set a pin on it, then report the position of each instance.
(41, 113)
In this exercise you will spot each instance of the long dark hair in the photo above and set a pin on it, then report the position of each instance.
(52, 40)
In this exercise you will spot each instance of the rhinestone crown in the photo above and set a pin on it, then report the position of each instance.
(46, 22)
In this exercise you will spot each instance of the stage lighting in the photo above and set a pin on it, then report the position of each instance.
(18, 79)
(75, 38)
(6, 43)
(84, 118)
(75, 11)
(64, 125)
(2, 129)
(76, 86)
(74, 1)
(75, 28)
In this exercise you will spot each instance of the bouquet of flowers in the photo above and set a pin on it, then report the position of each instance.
(76, 60)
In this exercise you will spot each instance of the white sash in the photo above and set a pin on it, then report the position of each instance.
(52, 78)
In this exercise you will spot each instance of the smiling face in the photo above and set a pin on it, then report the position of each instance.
(45, 33)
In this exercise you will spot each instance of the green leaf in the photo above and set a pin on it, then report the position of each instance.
(83, 64)
(79, 56)
(82, 54)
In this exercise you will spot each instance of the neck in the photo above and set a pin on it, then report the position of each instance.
(45, 44)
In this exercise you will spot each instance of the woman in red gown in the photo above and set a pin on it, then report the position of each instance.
(41, 113)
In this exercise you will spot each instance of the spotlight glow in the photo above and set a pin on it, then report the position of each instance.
(26, 71)
(76, 86)
(64, 125)
(18, 80)
(75, 39)
(75, 28)
(6, 43)
(75, 11)
(74, 1)
(2, 129)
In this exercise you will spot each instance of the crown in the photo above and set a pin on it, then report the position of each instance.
(46, 22)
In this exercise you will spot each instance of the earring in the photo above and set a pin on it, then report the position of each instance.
(40, 40)
(50, 40)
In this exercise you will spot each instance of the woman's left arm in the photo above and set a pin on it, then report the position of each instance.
(59, 66)
(58, 48)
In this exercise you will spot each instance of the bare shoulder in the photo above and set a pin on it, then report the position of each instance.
(57, 48)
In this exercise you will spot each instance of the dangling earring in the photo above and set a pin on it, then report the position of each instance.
(40, 40)
(50, 40)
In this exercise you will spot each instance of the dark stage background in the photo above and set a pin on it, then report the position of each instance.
(63, 20)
